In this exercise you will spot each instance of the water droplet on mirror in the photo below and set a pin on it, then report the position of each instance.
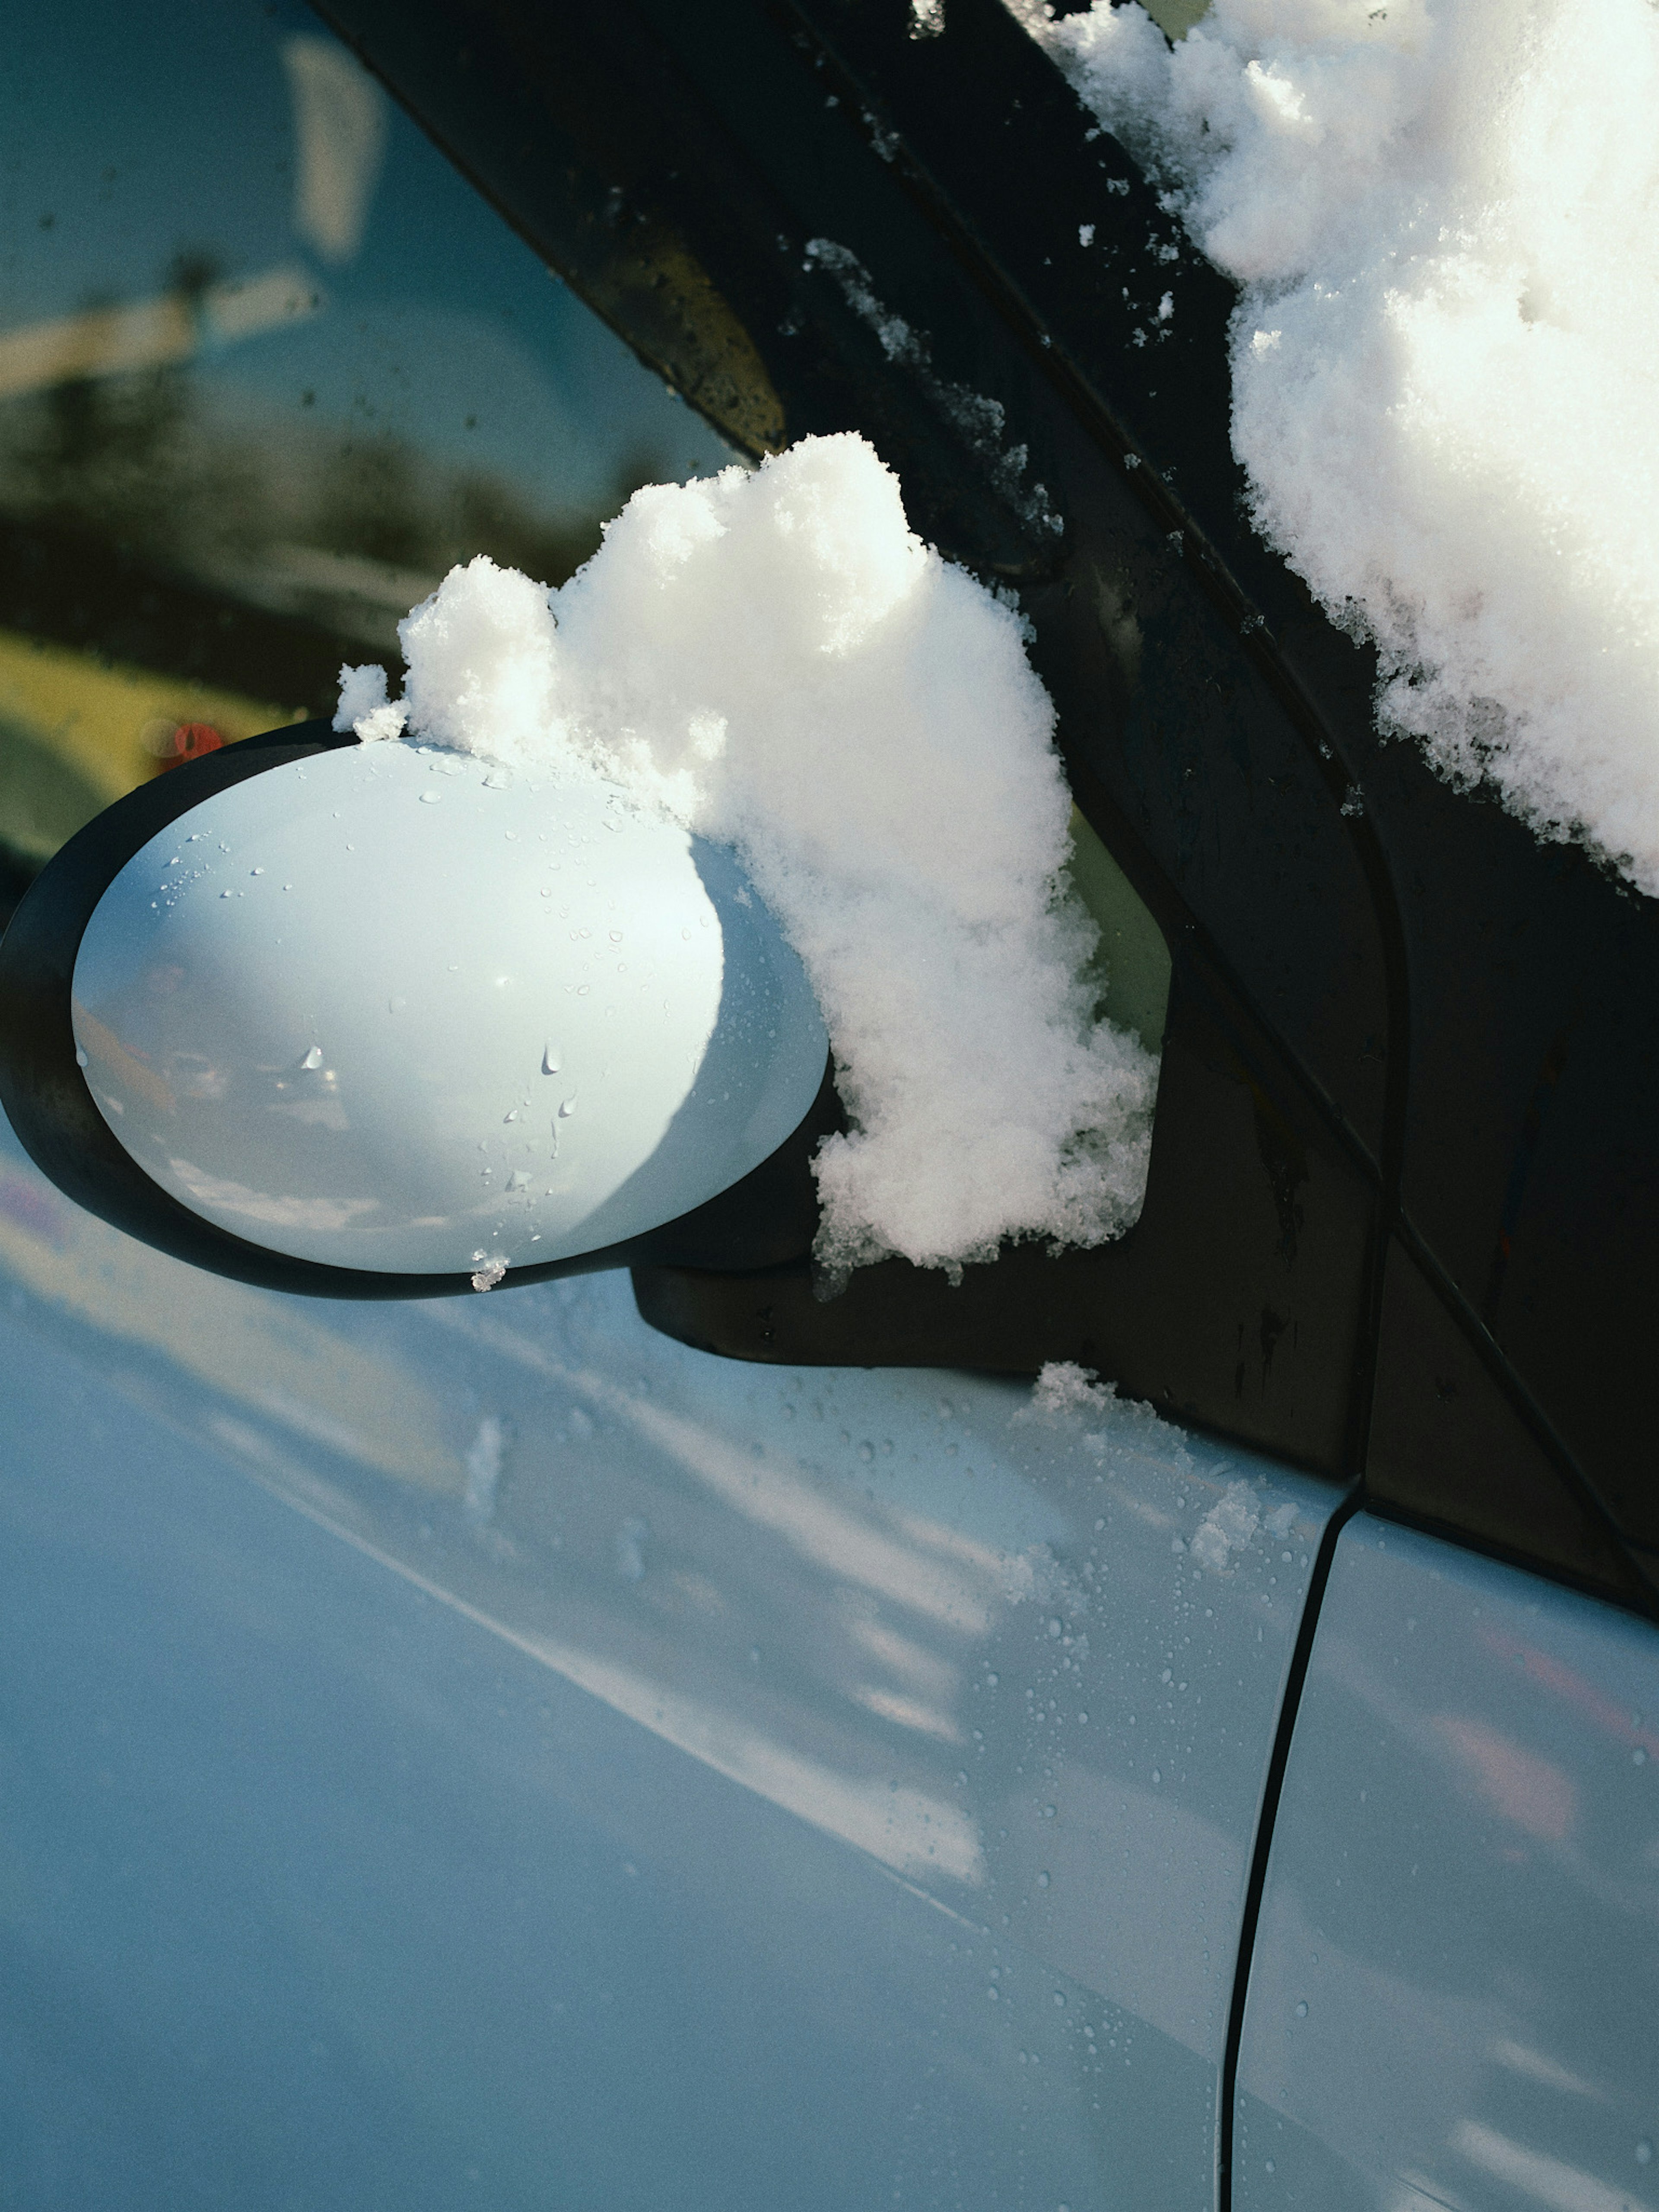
(313, 1058)
(430, 797)
(631, 1540)
(550, 1060)
(518, 1179)
(1301, 2009)
(567, 1107)
(80, 1056)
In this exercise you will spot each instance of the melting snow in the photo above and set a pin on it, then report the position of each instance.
(1227, 1527)
(1445, 216)
(777, 660)
(1063, 1389)
(1066, 1395)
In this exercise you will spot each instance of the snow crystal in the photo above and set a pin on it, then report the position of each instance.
(1445, 216)
(1227, 1527)
(774, 659)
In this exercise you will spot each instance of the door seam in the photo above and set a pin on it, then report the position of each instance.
(1296, 1678)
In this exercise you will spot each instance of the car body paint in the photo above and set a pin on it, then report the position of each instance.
(1456, 1978)
(487, 1735)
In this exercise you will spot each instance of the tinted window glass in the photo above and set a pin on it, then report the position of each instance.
(268, 366)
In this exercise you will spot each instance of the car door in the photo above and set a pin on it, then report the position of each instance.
(1453, 1985)
(503, 1752)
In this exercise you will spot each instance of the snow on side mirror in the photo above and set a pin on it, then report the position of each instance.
(382, 1020)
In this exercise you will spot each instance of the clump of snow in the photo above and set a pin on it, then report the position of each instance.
(776, 660)
(1445, 216)
(1067, 1396)
(1228, 1527)
(1064, 1390)
(364, 706)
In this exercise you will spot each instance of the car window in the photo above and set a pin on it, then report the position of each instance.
(268, 367)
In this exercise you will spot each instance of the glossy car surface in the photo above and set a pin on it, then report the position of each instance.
(496, 1737)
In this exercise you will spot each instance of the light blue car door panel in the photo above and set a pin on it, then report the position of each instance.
(487, 1753)
(1454, 1998)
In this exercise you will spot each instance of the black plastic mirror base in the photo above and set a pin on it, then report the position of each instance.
(1239, 1300)
(767, 1219)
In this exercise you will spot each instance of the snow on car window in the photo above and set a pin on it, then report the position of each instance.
(1444, 218)
(780, 661)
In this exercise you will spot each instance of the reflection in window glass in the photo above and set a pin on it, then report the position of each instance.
(268, 367)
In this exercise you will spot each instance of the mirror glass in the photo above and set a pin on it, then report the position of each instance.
(394, 1009)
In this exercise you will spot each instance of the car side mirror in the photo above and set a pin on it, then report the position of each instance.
(377, 1020)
